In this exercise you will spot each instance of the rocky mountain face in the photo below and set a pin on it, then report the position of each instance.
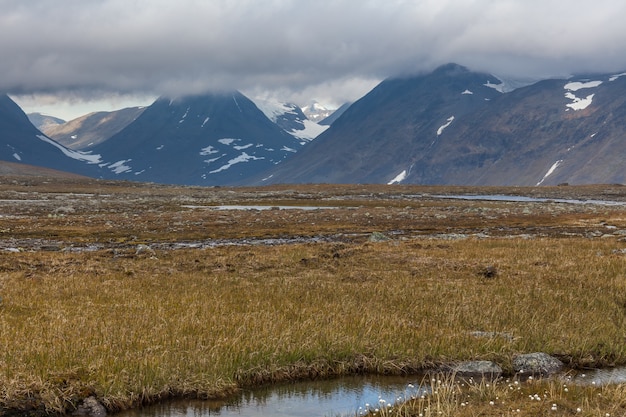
(455, 126)
(91, 129)
(21, 142)
(213, 139)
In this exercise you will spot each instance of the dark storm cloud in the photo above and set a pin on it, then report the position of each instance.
(294, 46)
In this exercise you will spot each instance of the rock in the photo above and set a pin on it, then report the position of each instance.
(90, 407)
(144, 249)
(477, 369)
(537, 363)
(378, 237)
(488, 271)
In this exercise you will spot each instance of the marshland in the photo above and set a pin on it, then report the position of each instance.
(135, 293)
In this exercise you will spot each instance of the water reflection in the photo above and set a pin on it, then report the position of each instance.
(339, 397)
(524, 199)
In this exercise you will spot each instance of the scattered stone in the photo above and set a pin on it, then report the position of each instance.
(537, 363)
(477, 369)
(144, 249)
(488, 271)
(90, 407)
(378, 237)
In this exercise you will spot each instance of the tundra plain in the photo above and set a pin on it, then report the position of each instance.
(133, 293)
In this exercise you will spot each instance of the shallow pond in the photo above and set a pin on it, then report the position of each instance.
(348, 396)
(337, 397)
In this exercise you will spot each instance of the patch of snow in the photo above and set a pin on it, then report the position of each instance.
(237, 104)
(242, 147)
(158, 148)
(593, 135)
(577, 102)
(205, 121)
(73, 136)
(616, 76)
(398, 178)
(311, 130)
(184, 116)
(508, 85)
(17, 156)
(497, 87)
(120, 166)
(577, 85)
(441, 128)
(208, 161)
(551, 170)
(244, 157)
(288, 149)
(267, 178)
(227, 141)
(467, 92)
(78, 155)
(208, 150)
(272, 109)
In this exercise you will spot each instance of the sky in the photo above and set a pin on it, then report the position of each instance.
(68, 57)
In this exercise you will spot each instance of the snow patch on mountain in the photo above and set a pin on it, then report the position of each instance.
(227, 141)
(616, 76)
(87, 157)
(209, 150)
(551, 171)
(577, 102)
(466, 92)
(119, 167)
(311, 130)
(17, 156)
(398, 178)
(441, 128)
(577, 85)
(244, 157)
(273, 109)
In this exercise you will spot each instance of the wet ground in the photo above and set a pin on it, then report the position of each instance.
(84, 215)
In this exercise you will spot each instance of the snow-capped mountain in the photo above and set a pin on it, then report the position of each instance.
(21, 142)
(316, 112)
(455, 126)
(212, 139)
(290, 118)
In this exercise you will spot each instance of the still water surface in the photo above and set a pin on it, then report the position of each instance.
(338, 397)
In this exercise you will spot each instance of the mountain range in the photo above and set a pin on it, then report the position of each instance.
(450, 126)
(455, 126)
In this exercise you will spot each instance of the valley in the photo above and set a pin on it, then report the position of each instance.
(128, 293)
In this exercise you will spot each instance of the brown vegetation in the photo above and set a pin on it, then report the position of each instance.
(135, 292)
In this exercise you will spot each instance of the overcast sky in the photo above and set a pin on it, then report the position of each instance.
(73, 55)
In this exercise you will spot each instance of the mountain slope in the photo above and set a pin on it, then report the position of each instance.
(87, 131)
(290, 118)
(21, 142)
(212, 139)
(42, 121)
(454, 126)
(379, 135)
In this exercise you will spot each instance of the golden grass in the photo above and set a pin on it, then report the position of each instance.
(507, 398)
(131, 329)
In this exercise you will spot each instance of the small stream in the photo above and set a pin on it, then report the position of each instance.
(347, 396)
